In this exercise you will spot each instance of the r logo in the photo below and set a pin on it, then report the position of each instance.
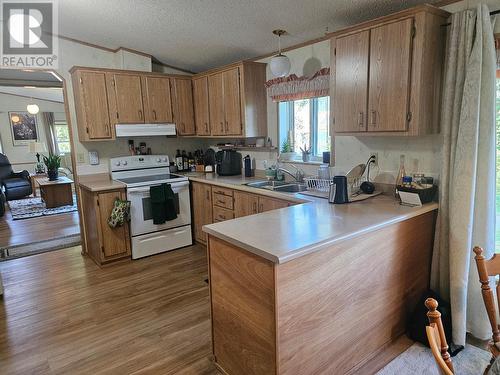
(28, 28)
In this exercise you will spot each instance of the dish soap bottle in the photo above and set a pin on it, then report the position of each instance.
(401, 174)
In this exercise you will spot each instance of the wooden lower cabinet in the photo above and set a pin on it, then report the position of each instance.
(202, 209)
(245, 204)
(103, 243)
(212, 204)
(319, 313)
(269, 204)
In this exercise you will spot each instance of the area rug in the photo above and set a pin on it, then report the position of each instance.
(418, 359)
(35, 207)
(19, 251)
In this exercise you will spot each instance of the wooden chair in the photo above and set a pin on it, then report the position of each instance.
(487, 268)
(437, 338)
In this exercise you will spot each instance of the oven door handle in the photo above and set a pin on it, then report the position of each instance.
(175, 186)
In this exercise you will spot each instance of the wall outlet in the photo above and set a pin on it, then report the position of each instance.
(93, 158)
(80, 157)
(375, 155)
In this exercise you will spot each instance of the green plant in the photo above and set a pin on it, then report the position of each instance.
(53, 162)
(286, 147)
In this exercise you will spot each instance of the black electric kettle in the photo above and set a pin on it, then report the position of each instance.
(338, 190)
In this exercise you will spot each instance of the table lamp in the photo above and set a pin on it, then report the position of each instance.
(37, 147)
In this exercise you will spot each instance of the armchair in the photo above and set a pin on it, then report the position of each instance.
(15, 184)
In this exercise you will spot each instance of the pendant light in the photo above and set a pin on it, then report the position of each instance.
(33, 108)
(280, 64)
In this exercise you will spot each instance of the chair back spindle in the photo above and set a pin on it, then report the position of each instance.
(437, 338)
(486, 268)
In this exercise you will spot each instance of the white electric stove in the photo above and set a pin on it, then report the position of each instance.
(139, 173)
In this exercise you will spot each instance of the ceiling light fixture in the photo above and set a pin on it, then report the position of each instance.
(280, 64)
(33, 108)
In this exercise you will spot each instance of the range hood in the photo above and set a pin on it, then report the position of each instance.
(144, 130)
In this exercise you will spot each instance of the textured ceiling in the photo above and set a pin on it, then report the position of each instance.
(201, 34)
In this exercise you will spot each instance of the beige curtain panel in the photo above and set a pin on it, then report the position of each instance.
(466, 215)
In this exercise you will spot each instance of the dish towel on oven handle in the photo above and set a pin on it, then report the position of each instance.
(162, 203)
(120, 213)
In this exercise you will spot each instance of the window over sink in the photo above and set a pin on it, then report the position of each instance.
(305, 122)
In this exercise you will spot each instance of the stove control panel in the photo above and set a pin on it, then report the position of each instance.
(138, 162)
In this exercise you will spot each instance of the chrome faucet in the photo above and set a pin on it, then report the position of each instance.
(298, 175)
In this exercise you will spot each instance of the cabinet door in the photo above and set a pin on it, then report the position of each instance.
(157, 101)
(269, 204)
(351, 82)
(92, 105)
(202, 209)
(201, 112)
(115, 242)
(183, 106)
(128, 98)
(216, 104)
(232, 102)
(245, 204)
(390, 74)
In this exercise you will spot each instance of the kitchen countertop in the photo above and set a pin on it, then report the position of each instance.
(99, 182)
(288, 233)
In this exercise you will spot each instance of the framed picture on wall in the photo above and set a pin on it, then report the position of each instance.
(24, 128)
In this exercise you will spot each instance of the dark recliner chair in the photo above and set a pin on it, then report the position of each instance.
(15, 185)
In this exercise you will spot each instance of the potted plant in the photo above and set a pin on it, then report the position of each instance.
(53, 162)
(286, 151)
(306, 154)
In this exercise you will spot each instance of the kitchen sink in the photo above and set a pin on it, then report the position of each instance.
(282, 186)
(291, 188)
(269, 185)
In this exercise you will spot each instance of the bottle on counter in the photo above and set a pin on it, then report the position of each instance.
(401, 174)
(185, 162)
(178, 160)
(191, 162)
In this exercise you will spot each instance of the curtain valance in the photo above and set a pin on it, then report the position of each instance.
(294, 87)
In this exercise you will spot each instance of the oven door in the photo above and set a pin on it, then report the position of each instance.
(141, 211)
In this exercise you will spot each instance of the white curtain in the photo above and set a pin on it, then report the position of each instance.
(467, 199)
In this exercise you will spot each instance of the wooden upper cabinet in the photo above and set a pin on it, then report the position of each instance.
(232, 102)
(386, 74)
(351, 82)
(157, 100)
(237, 102)
(127, 90)
(390, 76)
(92, 108)
(216, 104)
(201, 106)
(182, 104)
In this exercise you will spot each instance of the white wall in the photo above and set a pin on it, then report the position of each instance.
(423, 154)
(76, 54)
(20, 156)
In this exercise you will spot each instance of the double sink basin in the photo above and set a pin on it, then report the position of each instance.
(281, 186)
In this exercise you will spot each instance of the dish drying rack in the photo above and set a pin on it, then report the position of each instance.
(321, 185)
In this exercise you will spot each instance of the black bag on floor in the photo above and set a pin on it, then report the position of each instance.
(415, 328)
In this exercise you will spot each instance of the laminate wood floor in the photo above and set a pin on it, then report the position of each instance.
(18, 232)
(62, 314)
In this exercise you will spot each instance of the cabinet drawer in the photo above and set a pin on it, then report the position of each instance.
(221, 214)
(222, 191)
(224, 201)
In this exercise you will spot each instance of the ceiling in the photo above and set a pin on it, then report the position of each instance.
(43, 93)
(17, 77)
(202, 34)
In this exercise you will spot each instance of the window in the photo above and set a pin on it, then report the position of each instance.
(305, 122)
(61, 138)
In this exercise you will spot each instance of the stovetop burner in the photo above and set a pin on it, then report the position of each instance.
(145, 179)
